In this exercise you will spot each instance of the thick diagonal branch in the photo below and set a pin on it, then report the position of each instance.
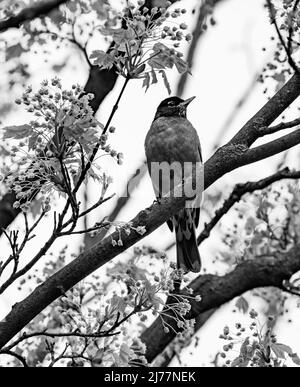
(226, 159)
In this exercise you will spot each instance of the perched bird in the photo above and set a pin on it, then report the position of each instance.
(172, 140)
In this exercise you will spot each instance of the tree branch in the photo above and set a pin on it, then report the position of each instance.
(281, 126)
(291, 29)
(289, 287)
(17, 356)
(100, 83)
(225, 159)
(30, 13)
(240, 190)
(197, 34)
(265, 116)
(172, 350)
(217, 290)
(272, 148)
(236, 109)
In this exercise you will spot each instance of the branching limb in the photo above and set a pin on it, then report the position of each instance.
(251, 131)
(217, 290)
(291, 288)
(197, 35)
(240, 190)
(54, 335)
(105, 129)
(172, 350)
(225, 159)
(73, 357)
(13, 241)
(272, 148)
(291, 29)
(283, 125)
(57, 232)
(236, 109)
(287, 47)
(70, 39)
(132, 183)
(88, 230)
(100, 82)
(87, 211)
(17, 274)
(30, 13)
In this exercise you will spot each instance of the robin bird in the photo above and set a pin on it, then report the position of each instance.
(172, 140)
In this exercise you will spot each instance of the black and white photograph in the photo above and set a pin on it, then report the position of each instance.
(149, 186)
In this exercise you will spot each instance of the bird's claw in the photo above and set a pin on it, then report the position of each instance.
(157, 200)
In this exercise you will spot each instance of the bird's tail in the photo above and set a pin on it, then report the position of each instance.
(188, 256)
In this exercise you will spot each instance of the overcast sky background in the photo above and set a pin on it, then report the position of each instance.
(227, 59)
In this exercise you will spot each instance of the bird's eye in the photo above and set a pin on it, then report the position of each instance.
(171, 103)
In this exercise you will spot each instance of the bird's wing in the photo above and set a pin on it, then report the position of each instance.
(198, 200)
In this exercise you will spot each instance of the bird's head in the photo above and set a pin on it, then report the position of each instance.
(173, 106)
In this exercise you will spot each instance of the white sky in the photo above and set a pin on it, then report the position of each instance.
(226, 61)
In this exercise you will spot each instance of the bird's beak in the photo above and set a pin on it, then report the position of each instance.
(187, 101)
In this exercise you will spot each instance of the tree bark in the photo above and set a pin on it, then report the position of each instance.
(216, 291)
(229, 157)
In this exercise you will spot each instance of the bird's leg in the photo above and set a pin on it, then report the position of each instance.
(177, 284)
(158, 199)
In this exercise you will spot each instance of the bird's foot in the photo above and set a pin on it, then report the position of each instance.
(157, 200)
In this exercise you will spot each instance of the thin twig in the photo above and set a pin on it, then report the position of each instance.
(239, 191)
(281, 126)
(291, 29)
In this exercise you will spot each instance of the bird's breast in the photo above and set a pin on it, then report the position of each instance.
(172, 139)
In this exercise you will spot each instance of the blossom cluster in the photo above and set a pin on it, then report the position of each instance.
(146, 292)
(145, 43)
(284, 15)
(103, 312)
(53, 149)
(260, 347)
